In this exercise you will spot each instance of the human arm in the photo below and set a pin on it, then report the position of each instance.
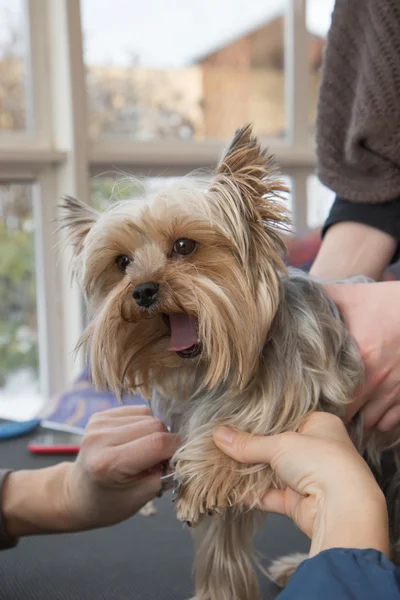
(350, 248)
(348, 574)
(357, 139)
(117, 471)
(331, 495)
(330, 492)
(357, 150)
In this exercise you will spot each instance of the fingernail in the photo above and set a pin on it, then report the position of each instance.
(225, 435)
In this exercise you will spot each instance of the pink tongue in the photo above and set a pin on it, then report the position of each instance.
(183, 332)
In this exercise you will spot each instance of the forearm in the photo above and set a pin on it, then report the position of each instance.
(350, 249)
(32, 501)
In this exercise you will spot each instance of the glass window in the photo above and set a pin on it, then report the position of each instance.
(110, 189)
(19, 363)
(318, 23)
(288, 196)
(13, 66)
(184, 70)
(319, 202)
(105, 190)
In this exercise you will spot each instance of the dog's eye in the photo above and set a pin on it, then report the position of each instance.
(122, 262)
(184, 247)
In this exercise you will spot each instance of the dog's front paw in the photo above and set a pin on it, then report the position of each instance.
(204, 488)
(210, 488)
(209, 481)
(190, 512)
(187, 512)
(190, 508)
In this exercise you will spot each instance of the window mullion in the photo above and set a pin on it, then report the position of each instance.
(61, 31)
(297, 74)
(38, 66)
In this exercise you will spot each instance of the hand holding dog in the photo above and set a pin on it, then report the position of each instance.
(119, 466)
(327, 483)
(116, 473)
(372, 316)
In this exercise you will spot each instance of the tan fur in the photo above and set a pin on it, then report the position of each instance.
(273, 346)
(281, 570)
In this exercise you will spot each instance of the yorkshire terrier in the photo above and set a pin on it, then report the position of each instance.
(194, 308)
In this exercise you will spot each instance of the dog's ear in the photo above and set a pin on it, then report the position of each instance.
(248, 173)
(77, 218)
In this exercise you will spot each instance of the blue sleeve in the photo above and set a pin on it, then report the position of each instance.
(344, 574)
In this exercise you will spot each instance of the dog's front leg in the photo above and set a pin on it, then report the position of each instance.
(209, 482)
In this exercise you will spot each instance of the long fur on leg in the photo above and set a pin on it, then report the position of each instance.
(281, 570)
(223, 563)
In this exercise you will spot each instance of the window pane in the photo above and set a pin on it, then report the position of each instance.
(19, 364)
(288, 196)
(318, 24)
(184, 70)
(319, 202)
(12, 66)
(105, 190)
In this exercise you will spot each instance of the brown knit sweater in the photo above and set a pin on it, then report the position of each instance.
(358, 123)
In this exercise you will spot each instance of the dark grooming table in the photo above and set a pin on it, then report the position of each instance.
(145, 558)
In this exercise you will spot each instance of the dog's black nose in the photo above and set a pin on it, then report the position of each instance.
(145, 293)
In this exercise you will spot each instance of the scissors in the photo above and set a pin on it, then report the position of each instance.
(12, 429)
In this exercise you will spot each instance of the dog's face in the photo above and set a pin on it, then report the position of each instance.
(188, 280)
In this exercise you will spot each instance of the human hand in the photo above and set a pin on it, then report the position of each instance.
(118, 468)
(372, 316)
(330, 492)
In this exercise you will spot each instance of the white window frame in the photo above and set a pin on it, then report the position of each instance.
(58, 158)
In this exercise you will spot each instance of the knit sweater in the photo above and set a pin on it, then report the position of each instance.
(358, 123)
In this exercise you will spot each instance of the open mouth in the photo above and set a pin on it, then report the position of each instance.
(184, 335)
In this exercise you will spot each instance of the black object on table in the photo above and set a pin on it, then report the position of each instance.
(145, 558)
